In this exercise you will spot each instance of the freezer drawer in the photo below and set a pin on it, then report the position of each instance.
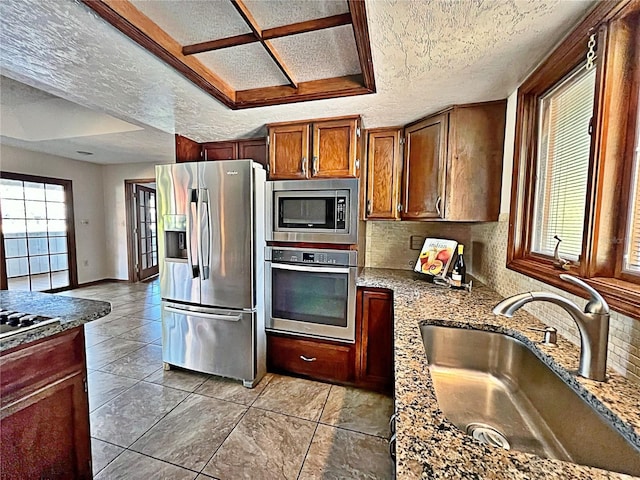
(215, 341)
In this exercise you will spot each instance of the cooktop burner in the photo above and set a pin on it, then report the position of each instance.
(13, 322)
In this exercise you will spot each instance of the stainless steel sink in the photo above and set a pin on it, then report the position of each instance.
(493, 387)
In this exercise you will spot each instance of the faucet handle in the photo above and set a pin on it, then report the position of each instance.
(596, 303)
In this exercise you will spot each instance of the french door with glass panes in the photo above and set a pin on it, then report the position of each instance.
(38, 248)
(147, 233)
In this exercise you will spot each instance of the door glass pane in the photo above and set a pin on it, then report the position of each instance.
(12, 208)
(40, 282)
(55, 193)
(17, 267)
(15, 247)
(38, 264)
(57, 227)
(14, 228)
(310, 297)
(57, 244)
(144, 262)
(56, 210)
(563, 160)
(38, 246)
(60, 279)
(59, 262)
(12, 188)
(34, 191)
(36, 228)
(35, 210)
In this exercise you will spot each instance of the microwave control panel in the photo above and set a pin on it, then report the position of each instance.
(341, 213)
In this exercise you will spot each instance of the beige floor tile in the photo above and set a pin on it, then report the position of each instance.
(191, 433)
(232, 390)
(263, 446)
(109, 351)
(153, 312)
(133, 466)
(125, 418)
(175, 378)
(118, 326)
(138, 364)
(103, 387)
(337, 454)
(102, 453)
(359, 410)
(148, 333)
(91, 339)
(294, 396)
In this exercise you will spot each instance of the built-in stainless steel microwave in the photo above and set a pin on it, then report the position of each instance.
(317, 211)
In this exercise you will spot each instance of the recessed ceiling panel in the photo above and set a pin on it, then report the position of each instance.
(244, 67)
(321, 54)
(275, 13)
(194, 21)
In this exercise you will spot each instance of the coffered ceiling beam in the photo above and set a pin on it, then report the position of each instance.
(363, 44)
(346, 86)
(133, 23)
(269, 34)
(257, 31)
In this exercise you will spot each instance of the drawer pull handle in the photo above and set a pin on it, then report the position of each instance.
(313, 359)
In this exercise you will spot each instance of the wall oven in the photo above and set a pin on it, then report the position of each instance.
(311, 292)
(317, 211)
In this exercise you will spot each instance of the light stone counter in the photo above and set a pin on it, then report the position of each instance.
(428, 445)
(71, 311)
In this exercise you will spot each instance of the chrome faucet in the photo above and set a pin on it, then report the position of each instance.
(593, 324)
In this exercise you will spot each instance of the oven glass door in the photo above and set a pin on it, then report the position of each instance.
(317, 301)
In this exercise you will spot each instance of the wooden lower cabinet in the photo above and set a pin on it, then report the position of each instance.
(44, 423)
(367, 363)
(375, 348)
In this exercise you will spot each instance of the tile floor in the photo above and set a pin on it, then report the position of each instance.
(147, 423)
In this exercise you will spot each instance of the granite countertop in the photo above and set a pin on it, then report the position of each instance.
(71, 311)
(427, 444)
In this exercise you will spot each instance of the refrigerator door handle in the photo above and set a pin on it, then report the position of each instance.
(191, 259)
(209, 316)
(205, 232)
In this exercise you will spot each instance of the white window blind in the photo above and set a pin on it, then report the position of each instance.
(563, 161)
(632, 247)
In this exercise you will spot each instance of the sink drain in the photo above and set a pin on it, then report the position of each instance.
(488, 435)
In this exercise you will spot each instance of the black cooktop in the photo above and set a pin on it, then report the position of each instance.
(12, 322)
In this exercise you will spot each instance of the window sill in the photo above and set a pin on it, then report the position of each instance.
(622, 296)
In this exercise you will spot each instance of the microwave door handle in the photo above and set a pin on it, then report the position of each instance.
(205, 232)
(304, 268)
(192, 259)
(209, 316)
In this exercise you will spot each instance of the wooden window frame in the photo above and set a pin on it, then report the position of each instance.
(616, 25)
(71, 233)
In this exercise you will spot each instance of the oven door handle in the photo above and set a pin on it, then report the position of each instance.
(209, 316)
(304, 268)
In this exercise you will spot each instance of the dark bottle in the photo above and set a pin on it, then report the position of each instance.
(459, 271)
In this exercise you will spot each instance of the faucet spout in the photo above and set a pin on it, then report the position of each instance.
(593, 324)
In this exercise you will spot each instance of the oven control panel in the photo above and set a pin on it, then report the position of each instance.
(317, 257)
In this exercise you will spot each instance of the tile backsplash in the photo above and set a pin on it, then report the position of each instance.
(388, 246)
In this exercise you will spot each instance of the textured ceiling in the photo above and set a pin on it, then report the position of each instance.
(426, 54)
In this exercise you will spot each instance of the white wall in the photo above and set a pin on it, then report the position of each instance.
(88, 202)
(113, 177)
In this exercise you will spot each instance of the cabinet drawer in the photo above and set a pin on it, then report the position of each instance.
(313, 358)
(26, 369)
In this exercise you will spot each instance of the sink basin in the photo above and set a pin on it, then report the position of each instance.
(494, 388)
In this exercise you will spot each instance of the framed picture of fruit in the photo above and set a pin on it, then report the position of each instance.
(435, 256)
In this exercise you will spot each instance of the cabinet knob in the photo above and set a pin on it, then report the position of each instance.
(438, 202)
(304, 166)
(314, 166)
(307, 359)
(368, 207)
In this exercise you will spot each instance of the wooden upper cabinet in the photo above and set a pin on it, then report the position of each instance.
(423, 180)
(289, 151)
(384, 167)
(453, 164)
(187, 150)
(255, 149)
(220, 150)
(335, 146)
(332, 151)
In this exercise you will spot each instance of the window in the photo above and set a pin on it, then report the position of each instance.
(563, 164)
(35, 233)
(576, 161)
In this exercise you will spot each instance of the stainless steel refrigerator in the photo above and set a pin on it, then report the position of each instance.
(211, 249)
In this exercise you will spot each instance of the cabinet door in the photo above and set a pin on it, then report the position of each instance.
(187, 150)
(220, 151)
(424, 168)
(383, 174)
(289, 152)
(254, 149)
(335, 146)
(375, 355)
(46, 434)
